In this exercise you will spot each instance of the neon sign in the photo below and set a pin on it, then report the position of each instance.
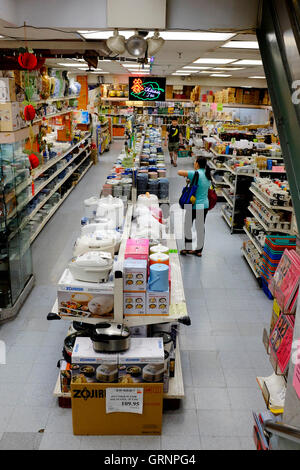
(147, 89)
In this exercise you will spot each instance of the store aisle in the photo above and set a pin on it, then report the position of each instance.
(222, 351)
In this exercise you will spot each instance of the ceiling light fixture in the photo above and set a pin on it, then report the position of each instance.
(216, 61)
(71, 64)
(229, 69)
(220, 75)
(195, 36)
(242, 45)
(116, 43)
(155, 43)
(248, 62)
(258, 76)
(195, 67)
(103, 34)
(136, 45)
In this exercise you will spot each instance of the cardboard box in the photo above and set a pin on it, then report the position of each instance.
(90, 417)
(7, 90)
(135, 275)
(157, 303)
(78, 300)
(137, 248)
(143, 361)
(88, 366)
(134, 303)
(10, 118)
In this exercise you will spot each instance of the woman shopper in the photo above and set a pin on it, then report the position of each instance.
(198, 211)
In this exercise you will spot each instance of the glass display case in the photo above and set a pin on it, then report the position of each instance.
(16, 275)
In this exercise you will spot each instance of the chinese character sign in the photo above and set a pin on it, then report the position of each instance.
(147, 88)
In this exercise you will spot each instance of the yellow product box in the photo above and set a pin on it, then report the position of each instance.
(92, 415)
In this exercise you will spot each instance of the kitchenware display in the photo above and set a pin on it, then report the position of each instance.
(70, 339)
(159, 249)
(110, 337)
(105, 223)
(90, 207)
(107, 373)
(112, 208)
(166, 337)
(159, 258)
(159, 277)
(93, 266)
(92, 242)
(153, 373)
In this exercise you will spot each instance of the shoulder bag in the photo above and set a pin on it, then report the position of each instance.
(188, 195)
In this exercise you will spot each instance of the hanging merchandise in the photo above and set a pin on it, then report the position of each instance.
(29, 112)
(27, 60)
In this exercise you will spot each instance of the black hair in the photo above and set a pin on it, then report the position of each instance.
(202, 163)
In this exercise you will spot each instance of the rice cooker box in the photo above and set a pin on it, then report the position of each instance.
(135, 275)
(89, 366)
(142, 362)
(78, 300)
(134, 303)
(157, 303)
(91, 417)
(137, 248)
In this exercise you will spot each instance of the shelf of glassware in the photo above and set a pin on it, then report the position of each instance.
(52, 212)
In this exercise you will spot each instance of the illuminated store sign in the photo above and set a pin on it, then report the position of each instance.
(147, 89)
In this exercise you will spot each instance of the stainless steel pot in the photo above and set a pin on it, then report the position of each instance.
(110, 337)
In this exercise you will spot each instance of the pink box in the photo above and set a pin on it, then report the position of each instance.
(137, 248)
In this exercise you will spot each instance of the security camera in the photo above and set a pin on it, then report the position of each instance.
(182, 78)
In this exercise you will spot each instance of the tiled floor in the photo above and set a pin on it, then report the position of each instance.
(222, 351)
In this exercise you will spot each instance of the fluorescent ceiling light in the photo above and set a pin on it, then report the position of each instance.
(104, 34)
(248, 62)
(71, 64)
(194, 36)
(137, 67)
(242, 45)
(99, 73)
(187, 71)
(181, 74)
(220, 75)
(258, 76)
(195, 67)
(104, 60)
(213, 61)
(229, 69)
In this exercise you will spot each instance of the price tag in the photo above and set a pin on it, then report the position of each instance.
(124, 400)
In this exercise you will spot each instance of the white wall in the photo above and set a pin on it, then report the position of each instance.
(183, 14)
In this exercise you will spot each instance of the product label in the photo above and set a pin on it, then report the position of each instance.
(124, 400)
